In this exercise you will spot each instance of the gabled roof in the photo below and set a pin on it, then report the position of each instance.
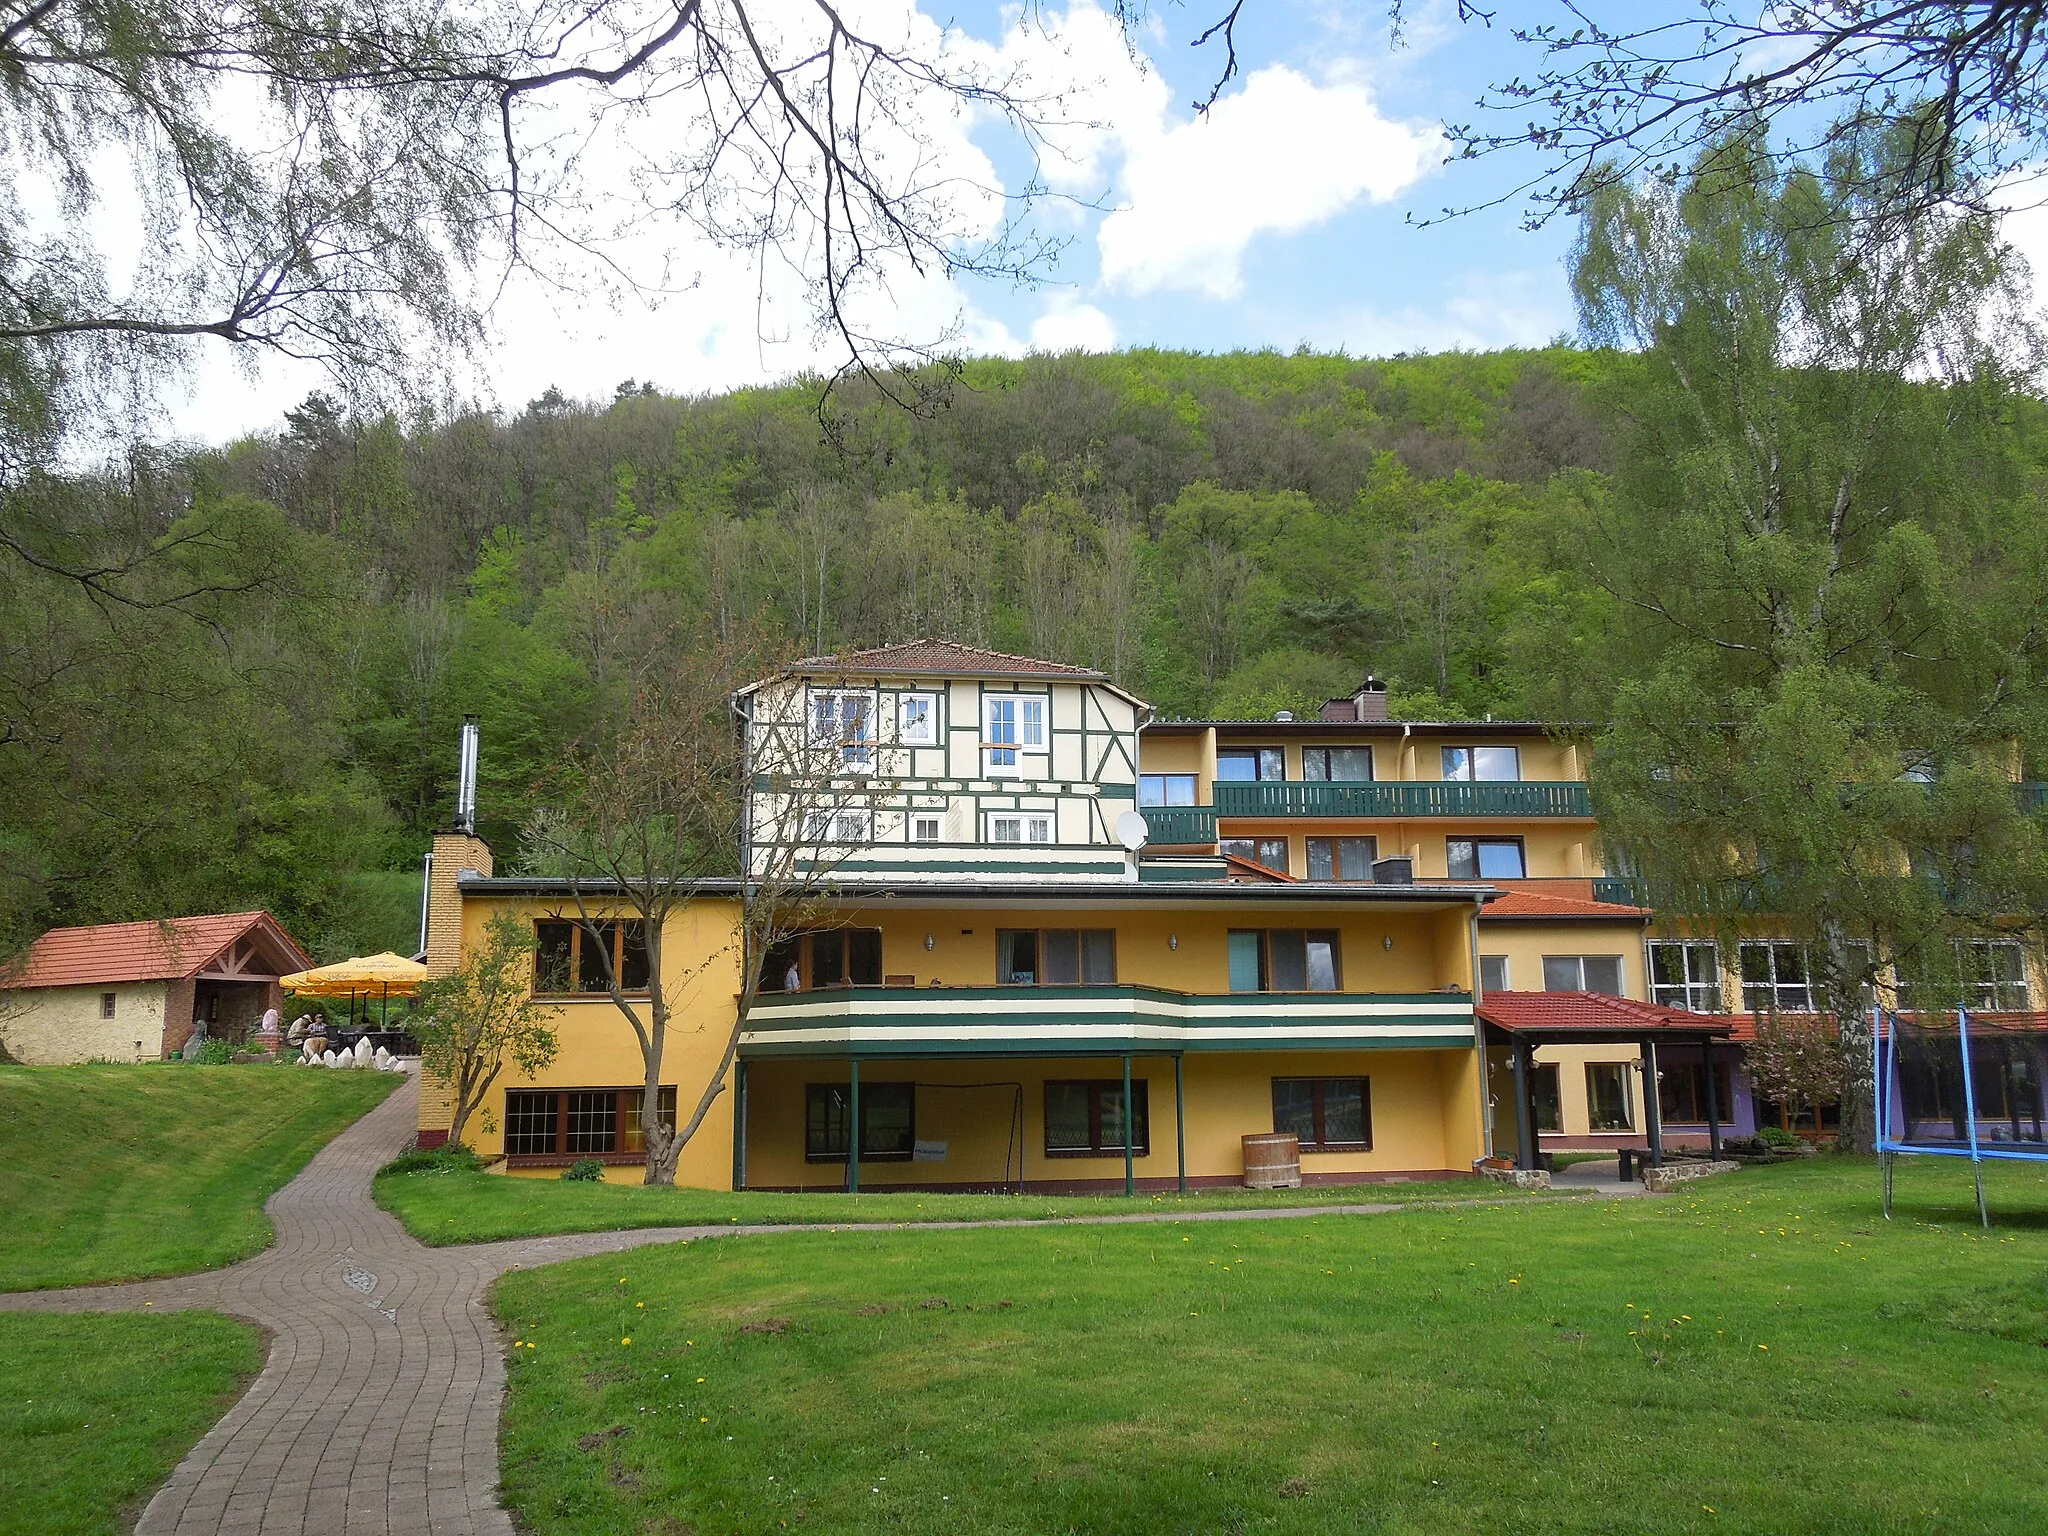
(168, 950)
(1592, 1014)
(1529, 905)
(937, 658)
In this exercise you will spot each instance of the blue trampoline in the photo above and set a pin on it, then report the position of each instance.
(1973, 1089)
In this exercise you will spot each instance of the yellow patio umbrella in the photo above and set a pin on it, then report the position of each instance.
(386, 975)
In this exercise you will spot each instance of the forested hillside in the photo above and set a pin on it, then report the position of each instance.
(1229, 535)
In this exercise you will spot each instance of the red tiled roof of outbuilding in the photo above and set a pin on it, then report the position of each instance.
(1537, 904)
(164, 950)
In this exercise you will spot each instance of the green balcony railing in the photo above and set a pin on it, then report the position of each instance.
(1621, 890)
(1292, 798)
(1176, 826)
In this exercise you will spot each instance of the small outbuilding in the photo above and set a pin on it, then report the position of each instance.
(139, 991)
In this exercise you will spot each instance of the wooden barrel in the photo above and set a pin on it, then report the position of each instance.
(1272, 1161)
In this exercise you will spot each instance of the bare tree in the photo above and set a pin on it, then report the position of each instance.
(699, 801)
(1620, 93)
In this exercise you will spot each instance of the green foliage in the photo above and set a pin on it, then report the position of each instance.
(449, 1157)
(209, 1053)
(585, 1170)
(470, 1025)
(1776, 1136)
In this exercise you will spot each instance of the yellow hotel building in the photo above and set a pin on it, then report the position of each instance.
(1073, 947)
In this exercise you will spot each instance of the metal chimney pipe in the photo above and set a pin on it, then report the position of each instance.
(465, 786)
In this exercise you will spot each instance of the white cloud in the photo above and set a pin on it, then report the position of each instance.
(1069, 325)
(1483, 311)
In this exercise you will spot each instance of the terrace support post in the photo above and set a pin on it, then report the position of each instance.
(1653, 1117)
(1713, 1099)
(853, 1132)
(739, 1124)
(1180, 1120)
(1130, 1149)
(1525, 1122)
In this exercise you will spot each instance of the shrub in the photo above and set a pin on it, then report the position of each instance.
(213, 1053)
(1776, 1136)
(449, 1157)
(586, 1170)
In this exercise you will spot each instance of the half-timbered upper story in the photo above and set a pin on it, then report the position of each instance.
(931, 760)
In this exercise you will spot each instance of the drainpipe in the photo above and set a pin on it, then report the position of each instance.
(426, 897)
(1479, 1031)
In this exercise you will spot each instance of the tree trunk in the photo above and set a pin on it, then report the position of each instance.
(1858, 1131)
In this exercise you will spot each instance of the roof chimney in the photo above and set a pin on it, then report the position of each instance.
(1371, 699)
(465, 779)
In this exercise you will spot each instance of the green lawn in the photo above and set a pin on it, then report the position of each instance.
(96, 1411)
(116, 1173)
(442, 1207)
(1762, 1353)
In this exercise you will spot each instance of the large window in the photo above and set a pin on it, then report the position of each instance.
(1686, 973)
(849, 828)
(1484, 764)
(888, 1121)
(579, 1122)
(1020, 826)
(1011, 725)
(1682, 1092)
(569, 958)
(1086, 1118)
(830, 957)
(845, 721)
(1607, 1097)
(1342, 858)
(1055, 956)
(1166, 789)
(1337, 765)
(1484, 858)
(1775, 978)
(1284, 960)
(1994, 974)
(1266, 852)
(1329, 1114)
(1239, 765)
(1583, 973)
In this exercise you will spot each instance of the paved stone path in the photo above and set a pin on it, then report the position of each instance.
(376, 1413)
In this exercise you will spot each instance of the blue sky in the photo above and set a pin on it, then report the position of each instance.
(1282, 220)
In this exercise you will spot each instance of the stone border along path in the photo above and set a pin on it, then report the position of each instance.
(376, 1413)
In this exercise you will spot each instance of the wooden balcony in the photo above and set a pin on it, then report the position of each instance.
(1277, 798)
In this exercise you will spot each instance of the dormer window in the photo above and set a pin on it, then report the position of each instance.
(845, 721)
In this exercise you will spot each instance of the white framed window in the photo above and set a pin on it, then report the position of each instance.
(1995, 973)
(999, 736)
(926, 827)
(841, 826)
(1686, 973)
(1775, 977)
(917, 719)
(845, 721)
(1493, 973)
(1034, 723)
(1020, 827)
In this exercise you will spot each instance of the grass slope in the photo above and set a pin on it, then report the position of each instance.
(441, 1206)
(1763, 1354)
(96, 1411)
(121, 1172)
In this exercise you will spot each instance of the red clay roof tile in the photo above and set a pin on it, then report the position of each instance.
(167, 950)
(1514, 1011)
(937, 658)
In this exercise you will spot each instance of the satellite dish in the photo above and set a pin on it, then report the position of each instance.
(1131, 830)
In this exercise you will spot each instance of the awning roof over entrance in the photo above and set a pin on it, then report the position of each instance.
(1593, 1016)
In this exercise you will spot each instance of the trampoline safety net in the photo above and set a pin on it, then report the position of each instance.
(1930, 1100)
